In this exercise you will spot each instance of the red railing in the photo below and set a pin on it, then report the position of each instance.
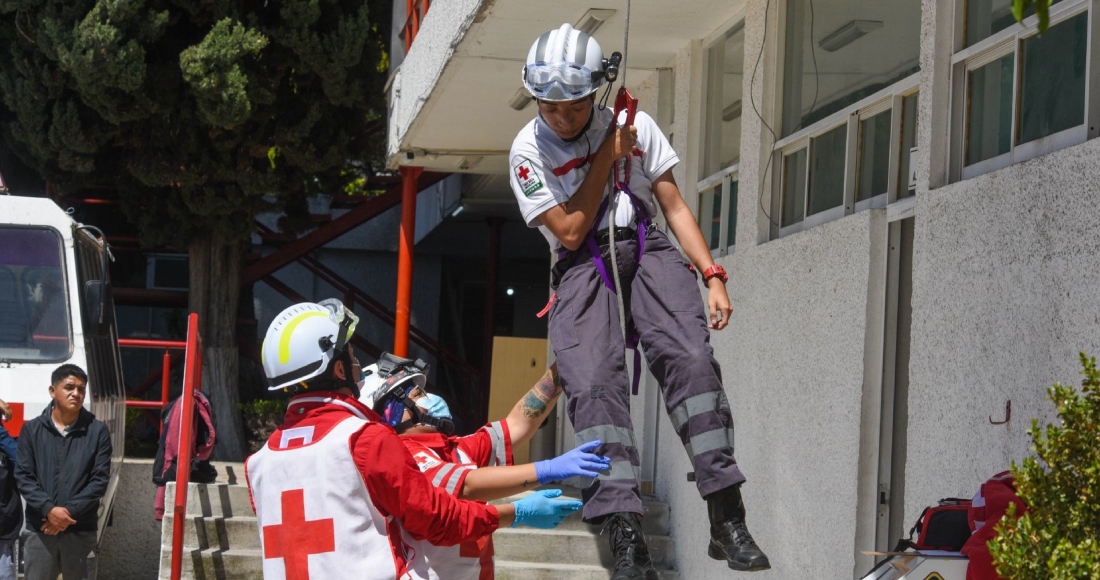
(166, 370)
(192, 381)
(415, 10)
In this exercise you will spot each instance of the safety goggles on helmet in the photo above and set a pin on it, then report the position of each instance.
(561, 81)
(345, 319)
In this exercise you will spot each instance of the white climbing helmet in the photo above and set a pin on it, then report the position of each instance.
(564, 65)
(303, 340)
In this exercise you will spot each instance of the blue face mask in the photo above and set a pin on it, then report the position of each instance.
(434, 406)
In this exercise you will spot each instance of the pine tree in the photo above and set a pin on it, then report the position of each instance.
(203, 113)
(1058, 538)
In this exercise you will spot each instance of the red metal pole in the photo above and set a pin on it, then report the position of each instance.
(403, 310)
(164, 383)
(192, 373)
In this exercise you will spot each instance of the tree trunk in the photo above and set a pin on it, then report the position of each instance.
(215, 290)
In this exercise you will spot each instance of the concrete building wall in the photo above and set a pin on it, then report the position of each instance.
(1005, 294)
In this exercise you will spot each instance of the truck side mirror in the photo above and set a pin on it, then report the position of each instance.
(99, 312)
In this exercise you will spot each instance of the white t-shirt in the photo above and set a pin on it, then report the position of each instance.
(546, 171)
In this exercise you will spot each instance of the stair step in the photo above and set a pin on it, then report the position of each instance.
(550, 546)
(509, 570)
(212, 499)
(231, 564)
(205, 533)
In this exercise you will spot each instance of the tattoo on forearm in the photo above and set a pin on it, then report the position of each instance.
(528, 483)
(533, 406)
(545, 390)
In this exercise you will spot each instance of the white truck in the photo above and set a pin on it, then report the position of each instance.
(56, 308)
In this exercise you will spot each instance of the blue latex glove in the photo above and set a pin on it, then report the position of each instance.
(579, 462)
(539, 511)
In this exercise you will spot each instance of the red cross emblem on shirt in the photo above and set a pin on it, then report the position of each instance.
(295, 538)
(523, 172)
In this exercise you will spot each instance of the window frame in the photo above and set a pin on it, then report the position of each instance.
(888, 99)
(1006, 42)
(721, 178)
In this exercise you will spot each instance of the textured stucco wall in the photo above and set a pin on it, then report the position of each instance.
(1005, 293)
(792, 361)
(130, 548)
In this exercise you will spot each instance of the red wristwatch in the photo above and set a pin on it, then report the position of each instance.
(715, 271)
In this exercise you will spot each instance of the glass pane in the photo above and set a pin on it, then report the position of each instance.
(710, 215)
(908, 142)
(731, 215)
(874, 156)
(989, 110)
(1052, 90)
(794, 188)
(840, 51)
(827, 170)
(725, 67)
(984, 18)
(34, 313)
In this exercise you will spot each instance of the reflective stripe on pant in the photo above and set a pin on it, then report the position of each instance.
(663, 297)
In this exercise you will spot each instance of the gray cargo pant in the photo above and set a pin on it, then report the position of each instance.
(662, 296)
(71, 554)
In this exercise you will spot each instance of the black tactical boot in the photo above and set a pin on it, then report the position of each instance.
(729, 538)
(628, 547)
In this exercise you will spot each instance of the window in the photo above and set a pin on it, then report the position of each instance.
(1018, 95)
(721, 151)
(856, 159)
(847, 111)
(838, 52)
(34, 309)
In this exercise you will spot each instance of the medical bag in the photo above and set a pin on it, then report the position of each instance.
(941, 527)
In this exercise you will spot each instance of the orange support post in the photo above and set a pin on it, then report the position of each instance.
(403, 310)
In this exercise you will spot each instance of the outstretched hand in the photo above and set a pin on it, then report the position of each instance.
(579, 462)
(538, 510)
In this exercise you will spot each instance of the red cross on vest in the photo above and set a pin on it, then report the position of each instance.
(295, 539)
(523, 172)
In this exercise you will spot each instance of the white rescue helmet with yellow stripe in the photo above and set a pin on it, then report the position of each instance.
(304, 340)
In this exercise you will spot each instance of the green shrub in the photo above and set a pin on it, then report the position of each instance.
(261, 418)
(1058, 538)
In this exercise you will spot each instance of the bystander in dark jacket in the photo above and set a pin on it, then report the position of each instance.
(63, 469)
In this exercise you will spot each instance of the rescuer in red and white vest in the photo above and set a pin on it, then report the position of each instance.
(477, 466)
(335, 492)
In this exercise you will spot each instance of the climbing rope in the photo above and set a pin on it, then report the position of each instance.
(623, 166)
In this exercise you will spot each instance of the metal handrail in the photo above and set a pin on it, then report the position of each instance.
(192, 381)
(166, 370)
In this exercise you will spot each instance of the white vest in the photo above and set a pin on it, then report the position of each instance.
(343, 534)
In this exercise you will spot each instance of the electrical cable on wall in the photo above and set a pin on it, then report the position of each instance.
(752, 101)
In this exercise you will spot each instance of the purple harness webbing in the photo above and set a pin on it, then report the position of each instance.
(644, 223)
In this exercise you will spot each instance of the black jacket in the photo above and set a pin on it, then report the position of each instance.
(11, 508)
(68, 471)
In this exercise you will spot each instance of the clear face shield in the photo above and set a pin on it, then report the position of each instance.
(342, 317)
(563, 81)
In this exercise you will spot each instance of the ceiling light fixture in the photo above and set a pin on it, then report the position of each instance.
(593, 19)
(520, 100)
(847, 34)
(732, 111)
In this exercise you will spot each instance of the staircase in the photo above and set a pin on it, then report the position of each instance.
(574, 550)
(222, 541)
